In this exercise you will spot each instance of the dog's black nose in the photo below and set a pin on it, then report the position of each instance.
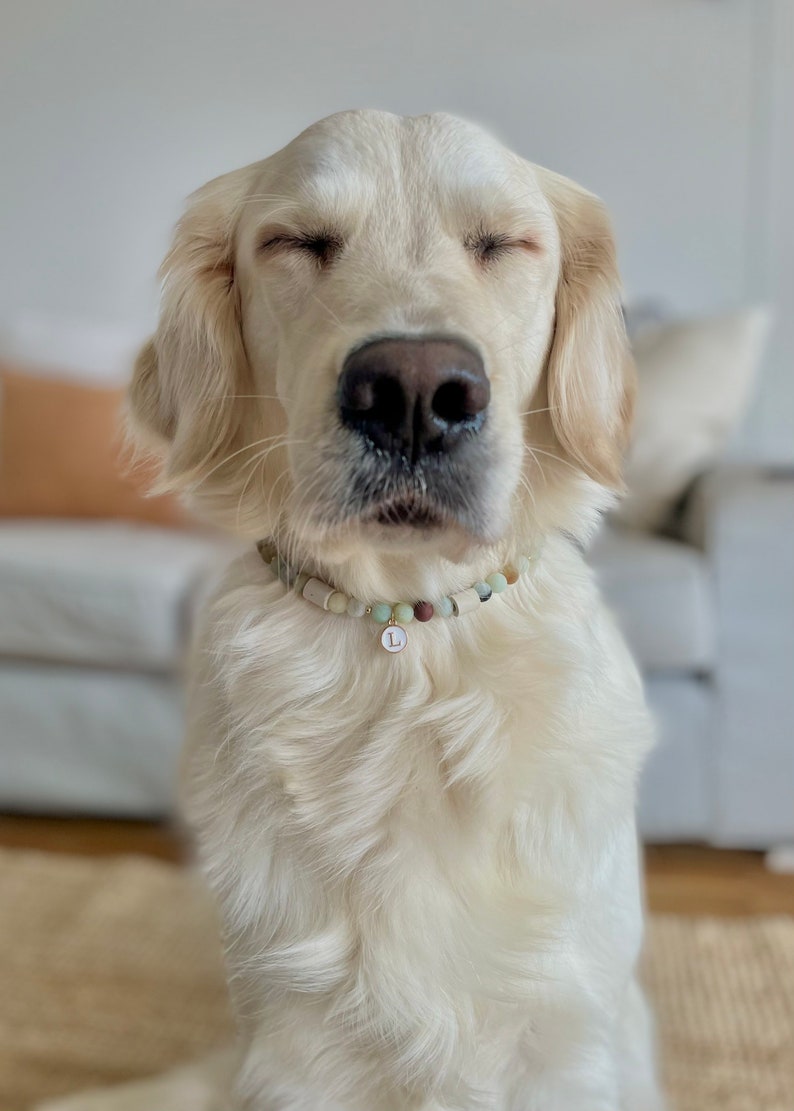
(414, 397)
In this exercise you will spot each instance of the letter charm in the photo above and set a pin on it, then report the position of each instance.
(394, 638)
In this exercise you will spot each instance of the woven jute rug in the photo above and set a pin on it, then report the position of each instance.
(110, 970)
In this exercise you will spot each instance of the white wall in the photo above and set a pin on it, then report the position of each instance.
(111, 111)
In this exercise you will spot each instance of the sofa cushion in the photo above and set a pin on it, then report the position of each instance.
(81, 740)
(107, 594)
(660, 591)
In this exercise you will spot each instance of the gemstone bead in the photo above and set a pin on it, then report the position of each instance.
(403, 613)
(337, 603)
(497, 582)
(484, 591)
(423, 611)
(301, 581)
(510, 572)
(381, 613)
(444, 607)
(356, 608)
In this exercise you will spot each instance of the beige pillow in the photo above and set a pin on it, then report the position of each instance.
(62, 454)
(695, 382)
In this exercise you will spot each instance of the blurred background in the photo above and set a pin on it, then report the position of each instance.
(678, 113)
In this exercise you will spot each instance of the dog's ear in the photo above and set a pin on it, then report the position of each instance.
(181, 400)
(590, 372)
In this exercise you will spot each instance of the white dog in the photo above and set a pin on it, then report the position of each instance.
(393, 352)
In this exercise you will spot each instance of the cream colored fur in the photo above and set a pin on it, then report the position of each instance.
(426, 865)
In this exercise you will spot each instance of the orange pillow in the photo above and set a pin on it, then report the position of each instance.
(62, 454)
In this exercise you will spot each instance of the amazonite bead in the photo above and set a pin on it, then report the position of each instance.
(403, 613)
(381, 612)
(497, 582)
(444, 607)
(483, 590)
(356, 608)
(337, 603)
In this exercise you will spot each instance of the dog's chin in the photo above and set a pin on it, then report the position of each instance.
(413, 526)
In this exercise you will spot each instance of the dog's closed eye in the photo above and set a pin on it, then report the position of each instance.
(489, 246)
(322, 246)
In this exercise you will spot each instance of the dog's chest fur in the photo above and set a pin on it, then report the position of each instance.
(432, 848)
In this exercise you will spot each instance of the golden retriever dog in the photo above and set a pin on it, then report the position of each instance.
(393, 355)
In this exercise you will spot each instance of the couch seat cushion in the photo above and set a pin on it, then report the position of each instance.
(104, 593)
(659, 590)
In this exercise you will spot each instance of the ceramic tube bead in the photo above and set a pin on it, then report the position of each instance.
(465, 601)
(318, 592)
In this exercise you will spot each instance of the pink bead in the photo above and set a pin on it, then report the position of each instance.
(423, 611)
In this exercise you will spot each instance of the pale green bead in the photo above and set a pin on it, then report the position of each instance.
(403, 613)
(444, 607)
(356, 608)
(337, 603)
(381, 613)
(497, 582)
(523, 565)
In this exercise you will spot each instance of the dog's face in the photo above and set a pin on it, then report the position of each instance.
(392, 331)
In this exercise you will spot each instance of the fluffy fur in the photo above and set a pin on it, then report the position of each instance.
(426, 865)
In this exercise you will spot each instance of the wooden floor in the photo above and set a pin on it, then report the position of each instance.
(681, 879)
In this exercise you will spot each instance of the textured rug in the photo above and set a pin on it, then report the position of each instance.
(109, 970)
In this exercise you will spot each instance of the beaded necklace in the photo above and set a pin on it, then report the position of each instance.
(393, 616)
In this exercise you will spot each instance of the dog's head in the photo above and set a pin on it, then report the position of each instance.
(393, 330)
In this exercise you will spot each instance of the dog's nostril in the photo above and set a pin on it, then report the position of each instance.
(372, 398)
(455, 402)
(449, 402)
(361, 397)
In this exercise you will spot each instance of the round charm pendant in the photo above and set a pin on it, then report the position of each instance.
(394, 638)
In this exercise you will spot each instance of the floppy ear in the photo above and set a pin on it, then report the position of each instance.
(181, 398)
(590, 372)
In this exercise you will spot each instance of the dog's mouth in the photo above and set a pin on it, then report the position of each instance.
(408, 512)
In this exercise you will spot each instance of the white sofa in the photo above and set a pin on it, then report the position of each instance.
(94, 620)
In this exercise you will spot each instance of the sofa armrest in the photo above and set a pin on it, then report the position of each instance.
(742, 518)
